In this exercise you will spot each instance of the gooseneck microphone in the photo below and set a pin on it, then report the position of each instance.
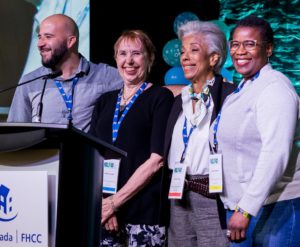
(39, 110)
(47, 76)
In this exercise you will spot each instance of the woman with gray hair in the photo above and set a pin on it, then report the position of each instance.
(194, 218)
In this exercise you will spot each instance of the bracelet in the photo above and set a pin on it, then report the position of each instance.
(243, 212)
(114, 209)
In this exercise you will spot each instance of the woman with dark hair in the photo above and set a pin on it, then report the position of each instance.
(255, 132)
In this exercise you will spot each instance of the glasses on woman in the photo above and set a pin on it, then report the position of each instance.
(248, 45)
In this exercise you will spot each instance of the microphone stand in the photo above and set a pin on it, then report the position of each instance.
(45, 77)
(25, 82)
(40, 105)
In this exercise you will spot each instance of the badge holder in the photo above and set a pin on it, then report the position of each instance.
(177, 181)
(110, 176)
(215, 173)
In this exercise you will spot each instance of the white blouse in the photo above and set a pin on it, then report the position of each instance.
(197, 152)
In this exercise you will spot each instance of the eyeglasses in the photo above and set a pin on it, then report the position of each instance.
(248, 45)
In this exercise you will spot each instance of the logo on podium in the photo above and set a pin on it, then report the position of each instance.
(6, 204)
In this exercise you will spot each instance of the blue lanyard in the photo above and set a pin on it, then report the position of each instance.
(67, 99)
(116, 121)
(216, 125)
(205, 97)
(185, 138)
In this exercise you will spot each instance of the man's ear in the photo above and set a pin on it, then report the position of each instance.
(71, 41)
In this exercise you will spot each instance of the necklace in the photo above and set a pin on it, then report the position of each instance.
(125, 99)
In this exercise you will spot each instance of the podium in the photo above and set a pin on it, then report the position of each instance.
(74, 161)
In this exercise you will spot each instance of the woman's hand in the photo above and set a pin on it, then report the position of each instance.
(112, 224)
(237, 226)
(139, 179)
(107, 209)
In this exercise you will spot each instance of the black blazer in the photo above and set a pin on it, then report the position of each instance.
(219, 91)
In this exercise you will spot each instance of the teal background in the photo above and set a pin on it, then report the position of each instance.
(284, 17)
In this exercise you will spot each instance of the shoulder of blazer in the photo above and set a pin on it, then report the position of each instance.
(219, 91)
(174, 114)
(227, 88)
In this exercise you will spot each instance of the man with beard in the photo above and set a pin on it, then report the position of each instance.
(71, 96)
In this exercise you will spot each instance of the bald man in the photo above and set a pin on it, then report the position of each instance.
(71, 96)
(78, 10)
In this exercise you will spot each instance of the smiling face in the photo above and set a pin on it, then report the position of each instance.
(195, 61)
(57, 39)
(131, 61)
(248, 63)
(52, 43)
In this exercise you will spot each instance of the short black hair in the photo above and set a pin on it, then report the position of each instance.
(264, 27)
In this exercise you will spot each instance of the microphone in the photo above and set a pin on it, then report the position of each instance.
(53, 75)
(47, 76)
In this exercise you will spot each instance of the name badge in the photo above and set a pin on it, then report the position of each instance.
(110, 176)
(215, 173)
(177, 181)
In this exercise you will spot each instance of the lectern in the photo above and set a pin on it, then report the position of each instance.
(74, 162)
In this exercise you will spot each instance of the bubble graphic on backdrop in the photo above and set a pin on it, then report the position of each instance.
(223, 27)
(171, 52)
(175, 76)
(227, 74)
(228, 62)
(183, 18)
(237, 77)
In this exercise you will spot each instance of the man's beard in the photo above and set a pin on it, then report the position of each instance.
(56, 57)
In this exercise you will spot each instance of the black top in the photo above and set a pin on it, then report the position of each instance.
(141, 133)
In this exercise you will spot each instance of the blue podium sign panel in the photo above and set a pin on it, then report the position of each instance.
(47, 162)
(23, 209)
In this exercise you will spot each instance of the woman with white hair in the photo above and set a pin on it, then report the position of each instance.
(194, 216)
